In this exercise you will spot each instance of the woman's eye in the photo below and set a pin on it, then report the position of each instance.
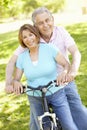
(24, 37)
(30, 35)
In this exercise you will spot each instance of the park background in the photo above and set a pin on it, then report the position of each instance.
(72, 14)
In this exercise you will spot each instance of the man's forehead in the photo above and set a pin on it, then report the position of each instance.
(42, 16)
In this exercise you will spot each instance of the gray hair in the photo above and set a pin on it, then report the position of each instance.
(40, 10)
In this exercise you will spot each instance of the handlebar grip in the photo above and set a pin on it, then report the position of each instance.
(24, 88)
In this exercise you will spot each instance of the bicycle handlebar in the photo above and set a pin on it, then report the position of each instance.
(40, 87)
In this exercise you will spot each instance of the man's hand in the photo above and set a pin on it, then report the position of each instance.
(9, 88)
(65, 77)
(62, 78)
(18, 89)
(71, 76)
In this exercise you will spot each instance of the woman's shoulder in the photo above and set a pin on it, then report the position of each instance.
(48, 47)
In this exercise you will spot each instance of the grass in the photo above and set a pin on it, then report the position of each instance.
(14, 110)
(79, 32)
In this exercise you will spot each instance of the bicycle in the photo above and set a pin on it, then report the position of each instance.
(53, 122)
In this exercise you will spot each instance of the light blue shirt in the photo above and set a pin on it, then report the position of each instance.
(45, 70)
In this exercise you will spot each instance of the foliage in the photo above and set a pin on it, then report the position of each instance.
(10, 8)
(79, 32)
(14, 8)
(54, 5)
(14, 110)
(29, 6)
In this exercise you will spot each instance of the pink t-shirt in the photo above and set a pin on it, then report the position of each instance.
(60, 38)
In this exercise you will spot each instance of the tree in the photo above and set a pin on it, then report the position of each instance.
(13, 8)
(53, 5)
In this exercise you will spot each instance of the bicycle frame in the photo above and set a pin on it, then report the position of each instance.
(52, 116)
(46, 111)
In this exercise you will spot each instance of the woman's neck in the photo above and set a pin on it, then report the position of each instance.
(34, 53)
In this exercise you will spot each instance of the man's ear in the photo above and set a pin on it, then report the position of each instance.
(53, 18)
(36, 27)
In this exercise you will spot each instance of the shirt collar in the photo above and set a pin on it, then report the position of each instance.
(52, 37)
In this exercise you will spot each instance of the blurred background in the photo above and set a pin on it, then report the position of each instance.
(18, 12)
(20, 9)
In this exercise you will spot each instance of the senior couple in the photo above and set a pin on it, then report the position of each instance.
(42, 57)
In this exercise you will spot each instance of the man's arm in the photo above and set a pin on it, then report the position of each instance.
(62, 78)
(18, 89)
(9, 73)
(10, 68)
(76, 59)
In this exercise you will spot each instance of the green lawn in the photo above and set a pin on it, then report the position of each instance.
(14, 110)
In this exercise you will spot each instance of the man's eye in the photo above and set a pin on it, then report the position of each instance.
(47, 20)
(40, 23)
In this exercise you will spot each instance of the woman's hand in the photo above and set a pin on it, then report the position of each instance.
(18, 89)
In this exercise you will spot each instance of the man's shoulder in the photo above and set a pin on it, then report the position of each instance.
(19, 50)
(59, 28)
(23, 53)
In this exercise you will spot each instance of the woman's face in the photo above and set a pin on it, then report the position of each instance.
(29, 39)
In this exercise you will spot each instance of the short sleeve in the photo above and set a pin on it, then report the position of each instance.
(68, 40)
(54, 50)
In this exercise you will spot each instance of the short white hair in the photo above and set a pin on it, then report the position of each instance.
(40, 10)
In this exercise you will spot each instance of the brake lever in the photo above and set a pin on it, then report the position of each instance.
(66, 83)
(24, 89)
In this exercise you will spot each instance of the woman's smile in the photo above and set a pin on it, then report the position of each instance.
(29, 39)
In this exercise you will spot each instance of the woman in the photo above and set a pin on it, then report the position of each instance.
(39, 64)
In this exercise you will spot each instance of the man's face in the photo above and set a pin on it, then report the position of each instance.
(45, 23)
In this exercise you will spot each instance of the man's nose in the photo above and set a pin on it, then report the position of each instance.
(45, 24)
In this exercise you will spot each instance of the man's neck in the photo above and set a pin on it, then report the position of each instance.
(46, 38)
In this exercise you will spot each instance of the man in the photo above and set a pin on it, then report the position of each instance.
(58, 36)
